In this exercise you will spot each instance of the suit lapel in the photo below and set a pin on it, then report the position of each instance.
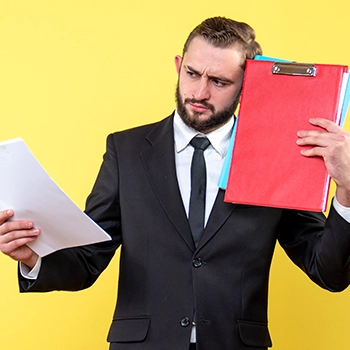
(220, 213)
(159, 163)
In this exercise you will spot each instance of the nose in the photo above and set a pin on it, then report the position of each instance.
(201, 91)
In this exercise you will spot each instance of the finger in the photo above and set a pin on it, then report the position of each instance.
(319, 138)
(313, 152)
(15, 225)
(19, 235)
(326, 124)
(5, 215)
(17, 240)
(320, 133)
(313, 139)
(13, 246)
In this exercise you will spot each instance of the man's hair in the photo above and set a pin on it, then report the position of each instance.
(224, 33)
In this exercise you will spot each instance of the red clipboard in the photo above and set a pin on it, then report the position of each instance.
(278, 99)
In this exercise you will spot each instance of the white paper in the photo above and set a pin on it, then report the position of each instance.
(26, 188)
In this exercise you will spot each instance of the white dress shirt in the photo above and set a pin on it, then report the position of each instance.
(214, 156)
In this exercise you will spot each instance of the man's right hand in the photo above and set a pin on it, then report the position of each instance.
(14, 236)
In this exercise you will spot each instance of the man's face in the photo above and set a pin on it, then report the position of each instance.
(209, 84)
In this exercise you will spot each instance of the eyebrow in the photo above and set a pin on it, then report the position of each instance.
(212, 77)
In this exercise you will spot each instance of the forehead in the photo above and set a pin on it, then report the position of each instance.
(203, 56)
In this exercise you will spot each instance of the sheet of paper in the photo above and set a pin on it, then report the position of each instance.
(28, 189)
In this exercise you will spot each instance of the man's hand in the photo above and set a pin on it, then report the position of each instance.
(333, 145)
(14, 235)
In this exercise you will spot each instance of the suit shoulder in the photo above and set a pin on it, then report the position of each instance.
(143, 130)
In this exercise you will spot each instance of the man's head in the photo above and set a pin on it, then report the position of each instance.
(226, 33)
(211, 72)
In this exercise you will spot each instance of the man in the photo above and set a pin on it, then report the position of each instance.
(177, 291)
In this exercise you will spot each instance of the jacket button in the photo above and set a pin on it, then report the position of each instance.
(185, 321)
(197, 262)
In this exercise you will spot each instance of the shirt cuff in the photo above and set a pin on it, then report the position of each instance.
(30, 274)
(344, 212)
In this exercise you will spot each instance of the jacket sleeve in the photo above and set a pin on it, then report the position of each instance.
(79, 267)
(319, 246)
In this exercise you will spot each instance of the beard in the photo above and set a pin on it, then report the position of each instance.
(217, 119)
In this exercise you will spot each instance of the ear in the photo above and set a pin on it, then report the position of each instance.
(178, 61)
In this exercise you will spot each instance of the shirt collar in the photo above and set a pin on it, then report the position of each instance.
(219, 138)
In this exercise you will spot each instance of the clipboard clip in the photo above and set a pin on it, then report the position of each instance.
(293, 68)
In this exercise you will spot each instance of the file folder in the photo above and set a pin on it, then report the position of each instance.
(278, 99)
(223, 179)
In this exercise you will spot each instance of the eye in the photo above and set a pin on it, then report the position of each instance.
(219, 83)
(192, 74)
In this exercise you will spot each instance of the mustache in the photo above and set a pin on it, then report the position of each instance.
(199, 102)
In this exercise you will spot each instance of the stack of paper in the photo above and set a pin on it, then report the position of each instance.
(29, 190)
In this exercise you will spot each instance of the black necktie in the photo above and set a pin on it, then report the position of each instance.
(198, 188)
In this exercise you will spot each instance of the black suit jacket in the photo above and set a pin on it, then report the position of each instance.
(164, 278)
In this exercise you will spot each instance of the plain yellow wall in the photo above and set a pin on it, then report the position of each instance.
(73, 71)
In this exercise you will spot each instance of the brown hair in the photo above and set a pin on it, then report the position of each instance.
(224, 32)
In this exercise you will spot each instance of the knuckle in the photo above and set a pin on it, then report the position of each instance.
(5, 227)
(333, 152)
(6, 249)
(344, 137)
(12, 255)
(9, 227)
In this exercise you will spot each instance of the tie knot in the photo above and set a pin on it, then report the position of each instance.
(200, 143)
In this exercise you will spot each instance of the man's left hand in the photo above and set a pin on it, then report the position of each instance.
(332, 143)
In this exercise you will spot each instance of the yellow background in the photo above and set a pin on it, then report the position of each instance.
(73, 71)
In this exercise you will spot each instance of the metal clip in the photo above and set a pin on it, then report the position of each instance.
(301, 69)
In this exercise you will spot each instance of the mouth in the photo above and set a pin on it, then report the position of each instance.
(199, 108)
